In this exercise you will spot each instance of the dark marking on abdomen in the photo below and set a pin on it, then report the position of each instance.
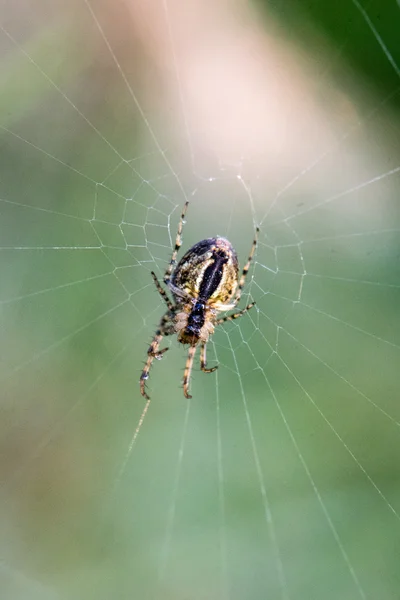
(209, 283)
(212, 276)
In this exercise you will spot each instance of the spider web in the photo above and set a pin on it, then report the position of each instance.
(279, 478)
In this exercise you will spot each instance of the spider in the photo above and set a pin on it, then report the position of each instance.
(203, 283)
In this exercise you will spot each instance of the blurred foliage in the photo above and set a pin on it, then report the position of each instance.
(364, 35)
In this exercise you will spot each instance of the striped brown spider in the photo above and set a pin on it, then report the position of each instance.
(203, 284)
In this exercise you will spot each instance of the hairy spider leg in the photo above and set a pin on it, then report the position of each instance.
(203, 360)
(152, 353)
(188, 370)
(178, 244)
(162, 292)
(246, 268)
(235, 315)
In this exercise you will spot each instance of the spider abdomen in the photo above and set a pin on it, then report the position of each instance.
(208, 273)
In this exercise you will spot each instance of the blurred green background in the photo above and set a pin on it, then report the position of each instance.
(280, 478)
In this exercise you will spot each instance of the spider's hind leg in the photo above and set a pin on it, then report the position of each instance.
(162, 292)
(178, 244)
(246, 267)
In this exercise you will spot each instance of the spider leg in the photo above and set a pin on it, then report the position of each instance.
(203, 360)
(162, 292)
(235, 315)
(246, 268)
(188, 370)
(152, 353)
(178, 244)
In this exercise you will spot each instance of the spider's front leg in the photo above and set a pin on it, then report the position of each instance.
(152, 353)
(203, 360)
(188, 371)
(235, 315)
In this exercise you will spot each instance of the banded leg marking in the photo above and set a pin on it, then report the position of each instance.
(178, 244)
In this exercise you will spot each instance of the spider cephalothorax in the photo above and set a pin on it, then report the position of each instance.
(203, 283)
